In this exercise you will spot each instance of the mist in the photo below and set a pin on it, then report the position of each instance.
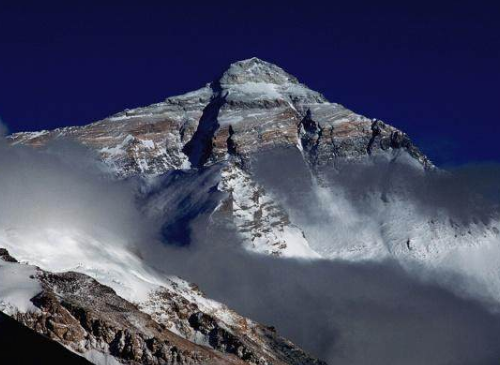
(436, 223)
(61, 210)
(353, 313)
(466, 194)
(340, 311)
(64, 187)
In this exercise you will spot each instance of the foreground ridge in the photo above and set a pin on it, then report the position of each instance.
(92, 320)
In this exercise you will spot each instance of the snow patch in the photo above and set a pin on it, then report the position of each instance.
(17, 286)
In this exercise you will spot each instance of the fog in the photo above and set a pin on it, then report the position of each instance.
(63, 187)
(466, 194)
(349, 313)
(447, 220)
(345, 312)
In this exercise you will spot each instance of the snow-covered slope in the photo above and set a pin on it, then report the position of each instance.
(17, 286)
(264, 225)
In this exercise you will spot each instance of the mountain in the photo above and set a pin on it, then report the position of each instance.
(253, 107)
(257, 165)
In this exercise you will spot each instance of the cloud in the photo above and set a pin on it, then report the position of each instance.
(352, 313)
(61, 210)
(464, 193)
(343, 312)
(444, 220)
(64, 189)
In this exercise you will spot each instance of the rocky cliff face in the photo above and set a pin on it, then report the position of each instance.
(174, 327)
(252, 107)
(15, 338)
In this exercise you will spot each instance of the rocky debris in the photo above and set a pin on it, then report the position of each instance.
(84, 315)
(221, 339)
(247, 350)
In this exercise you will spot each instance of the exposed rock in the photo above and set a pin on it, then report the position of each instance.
(20, 345)
(90, 318)
(84, 315)
(200, 143)
(261, 221)
(225, 331)
(252, 107)
(4, 255)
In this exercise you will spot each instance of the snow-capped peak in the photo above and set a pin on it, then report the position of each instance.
(254, 79)
(256, 70)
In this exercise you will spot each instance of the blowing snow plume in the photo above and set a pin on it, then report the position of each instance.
(62, 211)
(443, 221)
(354, 313)
(378, 310)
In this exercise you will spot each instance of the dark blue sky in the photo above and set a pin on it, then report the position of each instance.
(430, 68)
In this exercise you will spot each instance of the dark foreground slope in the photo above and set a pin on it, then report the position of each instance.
(21, 346)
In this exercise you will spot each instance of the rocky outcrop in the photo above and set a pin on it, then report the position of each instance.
(252, 107)
(85, 316)
(199, 146)
(174, 328)
(20, 345)
(144, 141)
(224, 331)
(262, 222)
(5, 256)
(385, 137)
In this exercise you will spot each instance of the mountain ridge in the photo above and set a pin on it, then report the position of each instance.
(91, 320)
(252, 101)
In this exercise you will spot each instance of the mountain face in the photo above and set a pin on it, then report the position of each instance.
(177, 325)
(255, 161)
(254, 106)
